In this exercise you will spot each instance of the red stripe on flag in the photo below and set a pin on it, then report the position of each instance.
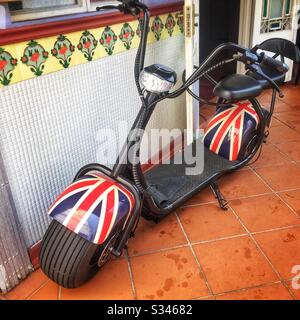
(248, 107)
(236, 139)
(86, 205)
(118, 185)
(216, 119)
(127, 193)
(253, 113)
(250, 110)
(110, 206)
(73, 187)
(224, 127)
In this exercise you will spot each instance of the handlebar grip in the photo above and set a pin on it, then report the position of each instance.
(108, 7)
(256, 68)
(275, 64)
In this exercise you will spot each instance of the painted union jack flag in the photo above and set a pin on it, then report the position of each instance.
(92, 206)
(231, 129)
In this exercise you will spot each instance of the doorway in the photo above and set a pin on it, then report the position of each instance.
(275, 19)
(219, 23)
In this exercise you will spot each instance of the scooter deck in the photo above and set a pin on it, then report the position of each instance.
(171, 182)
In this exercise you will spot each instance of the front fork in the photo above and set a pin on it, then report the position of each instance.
(128, 233)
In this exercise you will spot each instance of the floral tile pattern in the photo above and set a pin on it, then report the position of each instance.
(170, 24)
(127, 35)
(35, 57)
(87, 45)
(75, 48)
(157, 27)
(7, 65)
(108, 40)
(180, 23)
(63, 50)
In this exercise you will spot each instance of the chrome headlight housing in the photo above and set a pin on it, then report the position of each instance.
(157, 79)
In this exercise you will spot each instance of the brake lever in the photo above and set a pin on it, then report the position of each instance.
(256, 68)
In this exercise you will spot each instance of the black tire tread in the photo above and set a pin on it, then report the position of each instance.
(62, 254)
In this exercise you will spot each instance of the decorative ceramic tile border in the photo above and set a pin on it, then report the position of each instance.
(27, 60)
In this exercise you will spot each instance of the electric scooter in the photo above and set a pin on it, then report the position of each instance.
(98, 213)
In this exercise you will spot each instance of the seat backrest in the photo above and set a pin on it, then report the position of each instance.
(282, 47)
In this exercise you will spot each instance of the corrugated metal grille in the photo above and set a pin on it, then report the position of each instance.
(14, 261)
(49, 126)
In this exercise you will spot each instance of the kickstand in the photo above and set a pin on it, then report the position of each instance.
(218, 195)
(267, 133)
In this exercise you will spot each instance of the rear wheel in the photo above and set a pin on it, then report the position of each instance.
(69, 259)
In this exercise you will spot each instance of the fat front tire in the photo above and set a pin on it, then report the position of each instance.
(68, 259)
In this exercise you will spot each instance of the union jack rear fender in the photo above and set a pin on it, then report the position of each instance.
(231, 129)
(92, 206)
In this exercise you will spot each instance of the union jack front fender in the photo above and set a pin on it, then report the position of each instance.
(93, 206)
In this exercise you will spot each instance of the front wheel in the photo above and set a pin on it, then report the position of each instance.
(69, 259)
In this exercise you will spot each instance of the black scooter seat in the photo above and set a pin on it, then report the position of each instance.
(238, 87)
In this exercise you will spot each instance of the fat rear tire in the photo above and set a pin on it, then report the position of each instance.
(68, 259)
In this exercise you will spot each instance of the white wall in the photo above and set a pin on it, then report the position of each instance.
(49, 125)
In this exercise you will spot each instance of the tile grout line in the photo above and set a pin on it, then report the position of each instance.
(288, 190)
(205, 297)
(159, 250)
(228, 199)
(272, 165)
(289, 206)
(289, 289)
(243, 197)
(288, 159)
(219, 239)
(283, 281)
(263, 253)
(133, 288)
(59, 293)
(274, 192)
(281, 152)
(275, 229)
(212, 240)
(37, 290)
(286, 124)
(195, 256)
(245, 234)
(243, 289)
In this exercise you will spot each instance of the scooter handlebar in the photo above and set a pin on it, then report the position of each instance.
(274, 63)
(254, 61)
(257, 69)
(108, 7)
(133, 7)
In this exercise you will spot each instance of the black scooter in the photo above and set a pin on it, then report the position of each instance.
(98, 213)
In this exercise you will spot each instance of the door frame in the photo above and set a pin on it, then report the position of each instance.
(245, 27)
(247, 23)
(191, 59)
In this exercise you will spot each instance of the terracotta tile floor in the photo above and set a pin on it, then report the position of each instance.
(202, 252)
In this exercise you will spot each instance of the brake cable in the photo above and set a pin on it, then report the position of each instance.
(206, 73)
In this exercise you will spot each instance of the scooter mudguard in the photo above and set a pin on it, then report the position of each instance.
(231, 129)
(92, 206)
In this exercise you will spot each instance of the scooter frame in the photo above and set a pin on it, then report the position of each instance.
(129, 173)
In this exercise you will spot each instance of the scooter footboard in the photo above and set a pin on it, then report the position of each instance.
(93, 206)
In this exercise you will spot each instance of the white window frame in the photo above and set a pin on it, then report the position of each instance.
(266, 21)
(81, 7)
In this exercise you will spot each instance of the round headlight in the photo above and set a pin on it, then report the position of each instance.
(157, 79)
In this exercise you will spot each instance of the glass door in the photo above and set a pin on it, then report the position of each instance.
(275, 19)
